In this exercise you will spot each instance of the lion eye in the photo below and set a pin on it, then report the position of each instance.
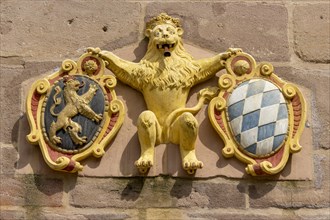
(157, 34)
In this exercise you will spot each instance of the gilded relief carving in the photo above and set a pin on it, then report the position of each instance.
(75, 104)
(165, 76)
(259, 116)
(74, 113)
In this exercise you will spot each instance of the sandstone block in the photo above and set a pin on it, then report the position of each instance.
(237, 214)
(312, 32)
(221, 195)
(97, 193)
(123, 193)
(218, 26)
(317, 214)
(317, 80)
(322, 170)
(66, 27)
(29, 190)
(157, 192)
(12, 214)
(8, 159)
(165, 214)
(13, 101)
(10, 103)
(88, 214)
(287, 195)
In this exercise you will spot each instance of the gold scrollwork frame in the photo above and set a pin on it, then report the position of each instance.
(112, 121)
(242, 67)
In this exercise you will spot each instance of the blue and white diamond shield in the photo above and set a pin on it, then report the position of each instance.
(258, 116)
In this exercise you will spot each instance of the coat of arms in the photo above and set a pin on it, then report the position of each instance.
(74, 113)
(259, 116)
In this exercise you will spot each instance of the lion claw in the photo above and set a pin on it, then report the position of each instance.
(143, 165)
(192, 166)
(56, 140)
(93, 50)
(97, 118)
(234, 51)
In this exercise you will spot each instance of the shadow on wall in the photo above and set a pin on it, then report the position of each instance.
(141, 49)
(182, 188)
(164, 187)
(257, 190)
(44, 176)
(133, 189)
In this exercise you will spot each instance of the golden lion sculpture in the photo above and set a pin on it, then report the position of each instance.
(75, 104)
(165, 76)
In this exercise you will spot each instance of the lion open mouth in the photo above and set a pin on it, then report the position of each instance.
(166, 48)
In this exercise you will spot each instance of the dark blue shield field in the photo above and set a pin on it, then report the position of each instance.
(89, 129)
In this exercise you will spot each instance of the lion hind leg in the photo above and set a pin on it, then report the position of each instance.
(73, 129)
(148, 132)
(52, 133)
(184, 132)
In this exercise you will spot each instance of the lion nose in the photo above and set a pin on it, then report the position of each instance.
(165, 35)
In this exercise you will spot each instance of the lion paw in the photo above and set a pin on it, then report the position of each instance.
(56, 140)
(97, 118)
(144, 163)
(93, 50)
(234, 51)
(93, 87)
(192, 165)
(80, 140)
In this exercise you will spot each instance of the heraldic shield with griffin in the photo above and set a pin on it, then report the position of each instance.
(74, 113)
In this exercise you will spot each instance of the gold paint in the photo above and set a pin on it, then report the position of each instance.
(227, 83)
(289, 91)
(75, 104)
(42, 87)
(165, 76)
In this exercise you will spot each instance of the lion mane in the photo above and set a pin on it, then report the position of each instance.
(172, 72)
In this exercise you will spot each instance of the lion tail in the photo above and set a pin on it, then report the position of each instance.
(204, 96)
(57, 100)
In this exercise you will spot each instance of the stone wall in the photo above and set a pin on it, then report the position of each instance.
(36, 36)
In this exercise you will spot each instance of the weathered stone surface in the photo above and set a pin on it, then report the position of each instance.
(221, 195)
(54, 31)
(8, 159)
(123, 193)
(90, 192)
(165, 214)
(318, 81)
(322, 170)
(10, 102)
(312, 32)
(317, 214)
(14, 101)
(236, 214)
(88, 214)
(155, 192)
(287, 195)
(218, 26)
(12, 214)
(66, 28)
(29, 190)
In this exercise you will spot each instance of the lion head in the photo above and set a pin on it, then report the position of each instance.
(71, 83)
(164, 33)
(166, 63)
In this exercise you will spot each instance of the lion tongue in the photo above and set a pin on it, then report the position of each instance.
(167, 52)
